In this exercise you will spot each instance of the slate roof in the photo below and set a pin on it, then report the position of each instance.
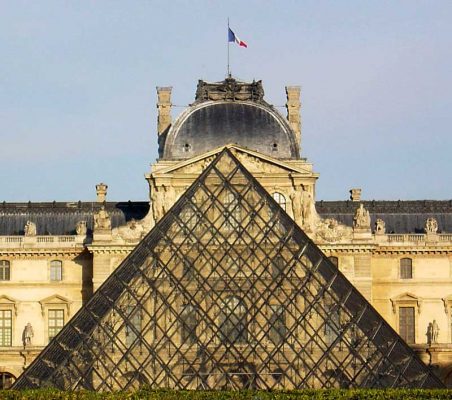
(399, 216)
(60, 218)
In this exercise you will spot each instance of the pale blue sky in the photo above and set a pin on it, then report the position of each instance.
(78, 78)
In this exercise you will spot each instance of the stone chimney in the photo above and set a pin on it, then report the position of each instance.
(164, 108)
(101, 192)
(355, 194)
(293, 106)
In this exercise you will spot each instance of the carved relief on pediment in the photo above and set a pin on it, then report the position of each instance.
(330, 230)
(255, 164)
(196, 167)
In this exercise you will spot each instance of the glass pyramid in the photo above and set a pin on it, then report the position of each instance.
(226, 292)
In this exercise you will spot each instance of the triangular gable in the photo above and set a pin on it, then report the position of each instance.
(187, 164)
(226, 291)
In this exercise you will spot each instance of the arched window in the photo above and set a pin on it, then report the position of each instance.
(5, 270)
(406, 268)
(56, 270)
(189, 215)
(280, 199)
(233, 324)
(232, 211)
(334, 260)
(6, 380)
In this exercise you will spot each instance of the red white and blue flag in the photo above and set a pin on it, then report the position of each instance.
(232, 37)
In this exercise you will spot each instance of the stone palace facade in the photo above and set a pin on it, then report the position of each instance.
(398, 254)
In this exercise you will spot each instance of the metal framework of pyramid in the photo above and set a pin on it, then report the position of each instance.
(226, 292)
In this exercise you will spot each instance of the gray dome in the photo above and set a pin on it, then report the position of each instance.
(212, 124)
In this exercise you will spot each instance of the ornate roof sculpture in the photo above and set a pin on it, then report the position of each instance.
(227, 112)
(226, 291)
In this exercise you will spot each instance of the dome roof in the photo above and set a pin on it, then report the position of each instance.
(219, 117)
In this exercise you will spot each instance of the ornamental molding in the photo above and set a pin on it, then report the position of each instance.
(57, 300)
(447, 301)
(6, 301)
(406, 298)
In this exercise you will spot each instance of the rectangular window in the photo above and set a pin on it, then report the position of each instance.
(6, 328)
(133, 325)
(406, 268)
(278, 324)
(4, 270)
(56, 268)
(189, 322)
(406, 324)
(56, 322)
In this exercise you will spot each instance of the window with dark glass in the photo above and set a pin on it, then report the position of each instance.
(5, 270)
(133, 324)
(406, 268)
(56, 270)
(189, 322)
(233, 322)
(406, 324)
(277, 322)
(55, 322)
(6, 327)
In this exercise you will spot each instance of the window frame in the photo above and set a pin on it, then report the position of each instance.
(277, 196)
(56, 326)
(5, 270)
(59, 274)
(232, 212)
(403, 268)
(4, 329)
(407, 300)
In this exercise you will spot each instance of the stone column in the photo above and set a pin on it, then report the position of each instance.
(164, 109)
(293, 106)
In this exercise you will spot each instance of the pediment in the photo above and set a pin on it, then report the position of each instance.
(9, 303)
(255, 162)
(406, 299)
(55, 300)
(7, 300)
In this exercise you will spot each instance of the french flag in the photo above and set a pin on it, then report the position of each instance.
(232, 37)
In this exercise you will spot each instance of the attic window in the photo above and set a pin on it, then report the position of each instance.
(275, 147)
(187, 147)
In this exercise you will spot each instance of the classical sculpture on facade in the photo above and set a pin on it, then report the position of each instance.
(158, 202)
(431, 225)
(380, 227)
(27, 335)
(102, 219)
(81, 228)
(30, 229)
(297, 205)
(362, 218)
(435, 331)
(133, 230)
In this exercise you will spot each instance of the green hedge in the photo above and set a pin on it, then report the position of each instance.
(353, 394)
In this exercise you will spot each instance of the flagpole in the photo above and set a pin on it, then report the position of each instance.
(229, 71)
